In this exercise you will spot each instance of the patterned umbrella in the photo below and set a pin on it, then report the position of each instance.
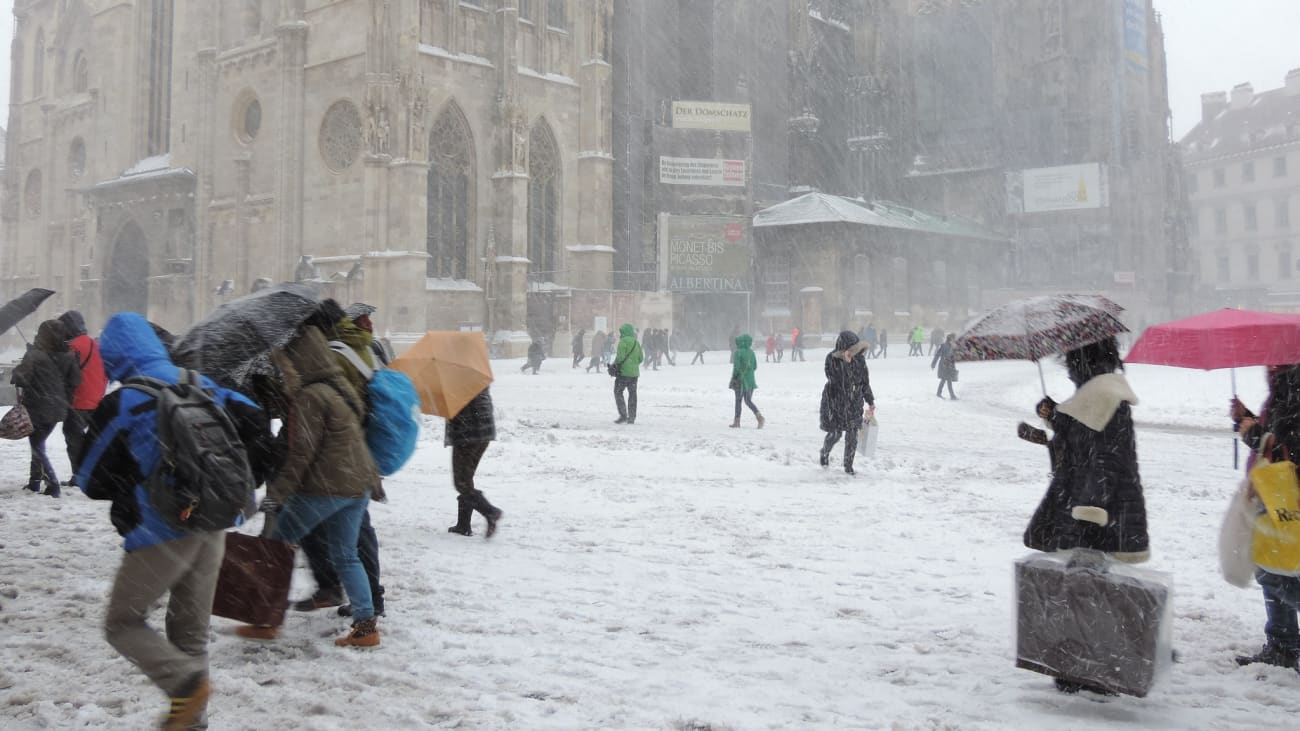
(1039, 327)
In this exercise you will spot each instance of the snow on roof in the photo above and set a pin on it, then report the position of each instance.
(825, 208)
(153, 164)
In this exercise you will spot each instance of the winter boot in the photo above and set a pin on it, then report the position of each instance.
(188, 705)
(464, 512)
(1272, 654)
(824, 459)
(52, 489)
(257, 631)
(736, 424)
(489, 512)
(322, 599)
(364, 633)
(848, 464)
(761, 421)
(34, 486)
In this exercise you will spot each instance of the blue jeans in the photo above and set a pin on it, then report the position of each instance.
(340, 522)
(1281, 602)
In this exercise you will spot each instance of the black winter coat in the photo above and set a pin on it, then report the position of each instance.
(848, 388)
(946, 362)
(476, 423)
(48, 374)
(1094, 463)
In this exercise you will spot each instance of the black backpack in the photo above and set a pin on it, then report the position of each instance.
(202, 481)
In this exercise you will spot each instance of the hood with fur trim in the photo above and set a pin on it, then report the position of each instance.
(1096, 401)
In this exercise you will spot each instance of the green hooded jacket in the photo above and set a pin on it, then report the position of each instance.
(629, 355)
(359, 340)
(745, 363)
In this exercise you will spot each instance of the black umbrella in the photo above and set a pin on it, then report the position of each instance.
(235, 341)
(16, 309)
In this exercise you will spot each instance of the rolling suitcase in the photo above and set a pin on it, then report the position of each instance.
(253, 586)
(1088, 619)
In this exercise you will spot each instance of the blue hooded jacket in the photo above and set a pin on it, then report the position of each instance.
(122, 442)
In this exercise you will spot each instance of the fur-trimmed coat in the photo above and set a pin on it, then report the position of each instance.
(1095, 497)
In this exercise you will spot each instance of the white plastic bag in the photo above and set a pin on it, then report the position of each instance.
(1236, 535)
(867, 437)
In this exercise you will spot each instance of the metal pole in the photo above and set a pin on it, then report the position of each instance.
(1236, 460)
(1041, 381)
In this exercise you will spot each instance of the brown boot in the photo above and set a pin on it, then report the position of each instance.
(761, 422)
(257, 632)
(188, 705)
(364, 633)
(736, 424)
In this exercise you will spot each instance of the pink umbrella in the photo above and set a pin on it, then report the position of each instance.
(1221, 339)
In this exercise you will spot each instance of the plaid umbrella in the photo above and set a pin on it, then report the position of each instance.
(1039, 327)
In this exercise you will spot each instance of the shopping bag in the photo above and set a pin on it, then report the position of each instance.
(867, 437)
(1237, 537)
(1098, 622)
(1277, 531)
(17, 424)
(253, 586)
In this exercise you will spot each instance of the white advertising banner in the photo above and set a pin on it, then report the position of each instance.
(711, 115)
(701, 171)
(1062, 188)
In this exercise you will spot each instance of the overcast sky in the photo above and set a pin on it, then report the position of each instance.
(1212, 45)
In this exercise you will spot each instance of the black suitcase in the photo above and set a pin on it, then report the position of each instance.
(1088, 619)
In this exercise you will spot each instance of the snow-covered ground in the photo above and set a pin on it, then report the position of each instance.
(678, 574)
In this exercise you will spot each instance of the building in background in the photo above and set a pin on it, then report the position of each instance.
(1243, 178)
(440, 159)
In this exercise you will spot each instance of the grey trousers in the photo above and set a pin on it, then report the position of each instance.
(187, 568)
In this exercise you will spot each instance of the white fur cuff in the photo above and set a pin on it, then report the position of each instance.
(1090, 514)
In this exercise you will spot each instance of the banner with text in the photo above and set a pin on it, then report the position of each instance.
(705, 254)
(701, 171)
(1062, 188)
(711, 115)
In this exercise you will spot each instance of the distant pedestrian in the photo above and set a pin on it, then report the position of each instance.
(872, 340)
(769, 355)
(628, 361)
(947, 364)
(796, 345)
(536, 354)
(597, 351)
(89, 392)
(917, 341)
(468, 433)
(578, 342)
(742, 378)
(47, 376)
(700, 347)
(936, 339)
(780, 347)
(884, 343)
(673, 343)
(847, 390)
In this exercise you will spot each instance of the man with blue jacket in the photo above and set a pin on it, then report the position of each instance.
(123, 448)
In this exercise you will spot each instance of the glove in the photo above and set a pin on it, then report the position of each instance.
(1046, 408)
(269, 505)
(1090, 514)
(1031, 434)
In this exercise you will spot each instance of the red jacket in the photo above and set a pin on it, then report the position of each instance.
(93, 380)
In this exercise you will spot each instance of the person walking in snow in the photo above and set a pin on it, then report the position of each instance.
(700, 347)
(1095, 499)
(796, 345)
(917, 341)
(884, 343)
(536, 354)
(89, 392)
(577, 348)
(597, 351)
(627, 361)
(870, 339)
(48, 376)
(946, 360)
(780, 347)
(845, 397)
(936, 339)
(1275, 436)
(123, 447)
(769, 354)
(469, 433)
(742, 378)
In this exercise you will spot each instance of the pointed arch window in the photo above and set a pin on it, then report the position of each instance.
(543, 202)
(450, 195)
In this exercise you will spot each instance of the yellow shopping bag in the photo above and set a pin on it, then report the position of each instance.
(1277, 531)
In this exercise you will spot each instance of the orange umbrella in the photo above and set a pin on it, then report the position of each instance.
(448, 369)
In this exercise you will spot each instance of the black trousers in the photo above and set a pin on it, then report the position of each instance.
(41, 469)
(940, 391)
(625, 410)
(317, 551)
(464, 463)
(748, 397)
(699, 357)
(850, 443)
(74, 435)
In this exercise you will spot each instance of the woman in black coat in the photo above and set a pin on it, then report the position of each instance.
(1095, 498)
(947, 363)
(847, 390)
(48, 375)
(468, 434)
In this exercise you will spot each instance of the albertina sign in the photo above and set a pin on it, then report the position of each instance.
(705, 254)
(711, 115)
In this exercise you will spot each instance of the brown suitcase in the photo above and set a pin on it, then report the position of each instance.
(253, 586)
(1090, 620)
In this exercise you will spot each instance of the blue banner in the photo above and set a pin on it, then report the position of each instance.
(1135, 34)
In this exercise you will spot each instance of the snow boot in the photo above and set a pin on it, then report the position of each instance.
(824, 459)
(52, 489)
(257, 631)
(1272, 654)
(464, 512)
(187, 706)
(736, 424)
(34, 486)
(489, 512)
(322, 599)
(364, 633)
(761, 421)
